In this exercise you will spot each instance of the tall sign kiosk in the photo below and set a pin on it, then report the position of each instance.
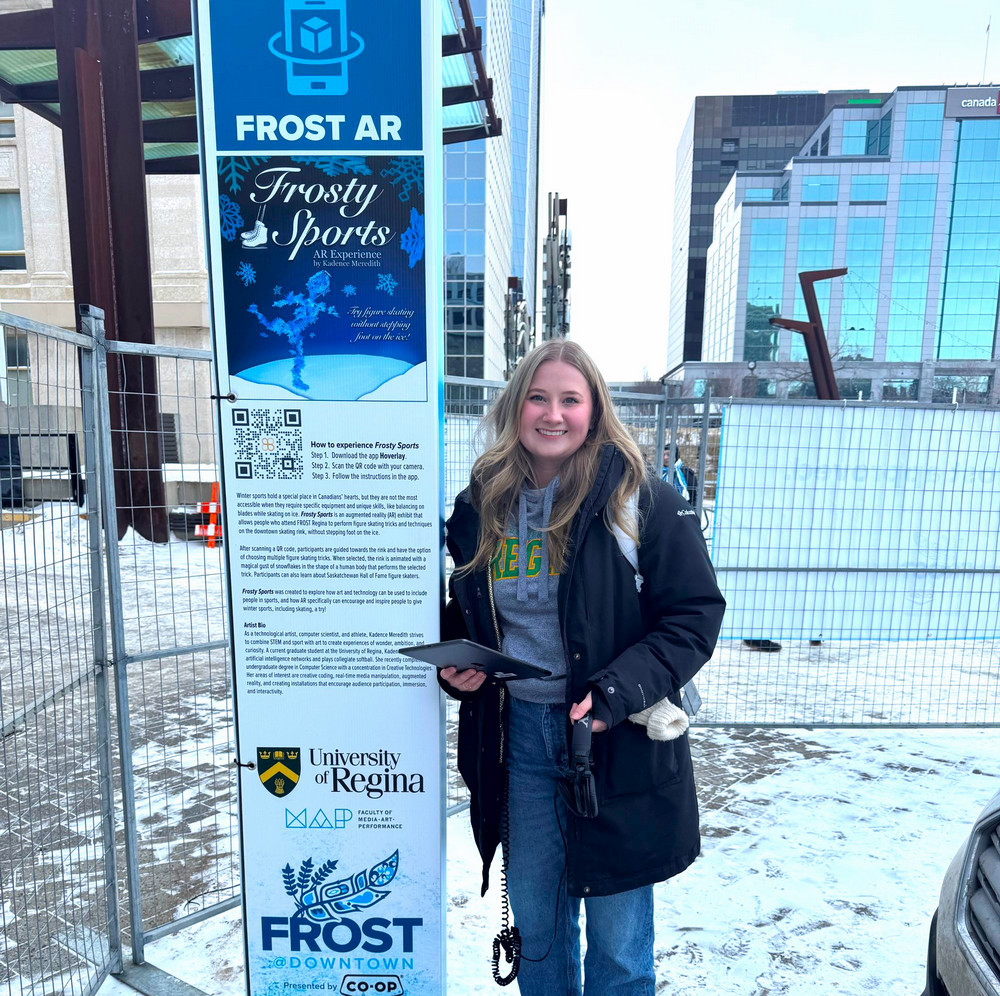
(321, 160)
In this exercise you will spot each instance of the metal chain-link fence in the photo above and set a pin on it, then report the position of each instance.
(173, 678)
(856, 545)
(157, 614)
(57, 852)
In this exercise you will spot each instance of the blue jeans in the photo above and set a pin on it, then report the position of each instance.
(619, 959)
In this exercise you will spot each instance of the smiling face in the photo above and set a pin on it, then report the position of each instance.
(555, 417)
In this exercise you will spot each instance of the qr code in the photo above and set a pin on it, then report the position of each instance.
(268, 444)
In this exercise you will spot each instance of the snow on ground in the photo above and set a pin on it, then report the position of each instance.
(823, 856)
(823, 852)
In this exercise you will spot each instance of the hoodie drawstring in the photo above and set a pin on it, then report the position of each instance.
(544, 581)
(522, 558)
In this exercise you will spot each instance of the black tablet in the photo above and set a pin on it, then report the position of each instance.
(466, 655)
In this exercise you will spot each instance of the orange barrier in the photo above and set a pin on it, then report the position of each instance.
(214, 528)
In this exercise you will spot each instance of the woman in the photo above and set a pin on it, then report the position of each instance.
(541, 574)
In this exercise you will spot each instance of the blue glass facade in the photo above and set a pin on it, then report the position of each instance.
(816, 238)
(879, 136)
(922, 136)
(869, 187)
(767, 270)
(972, 274)
(859, 308)
(854, 139)
(524, 63)
(465, 259)
(911, 267)
(820, 188)
(490, 224)
(913, 216)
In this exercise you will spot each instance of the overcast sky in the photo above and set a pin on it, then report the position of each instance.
(619, 80)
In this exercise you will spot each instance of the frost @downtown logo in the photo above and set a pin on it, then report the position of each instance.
(316, 47)
(323, 912)
(327, 902)
(279, 769)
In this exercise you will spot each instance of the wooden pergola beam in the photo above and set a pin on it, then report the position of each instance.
(172, 83)
(462, 43)
(171, 130)
(23, 29)
(98, 84)
(155, 20)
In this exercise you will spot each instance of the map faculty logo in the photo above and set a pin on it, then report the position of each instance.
(279, 769)
(319, 821)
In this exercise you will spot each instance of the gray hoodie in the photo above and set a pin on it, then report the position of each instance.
(525, 592)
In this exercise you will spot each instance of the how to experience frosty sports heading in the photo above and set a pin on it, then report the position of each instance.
(316, 127)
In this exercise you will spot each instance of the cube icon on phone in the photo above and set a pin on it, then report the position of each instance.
(314, 47)
(316, 35)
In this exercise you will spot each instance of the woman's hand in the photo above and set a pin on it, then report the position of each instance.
(579, 710)
(469, 680)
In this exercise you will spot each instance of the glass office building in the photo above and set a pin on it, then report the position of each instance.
(725, 134)
(906, 195)
(491, 196)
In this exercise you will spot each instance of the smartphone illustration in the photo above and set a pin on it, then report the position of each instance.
(316, 32)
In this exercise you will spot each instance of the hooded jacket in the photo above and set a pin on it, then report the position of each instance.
(630, 649)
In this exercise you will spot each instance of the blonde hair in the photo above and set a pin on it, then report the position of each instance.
(498, 475)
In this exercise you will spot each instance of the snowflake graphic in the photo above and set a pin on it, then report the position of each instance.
(233, 170)
(230, 219)
(387, 282)
(349, 290)
(335, 165)
(405, 172)
(412, 240)
(246, 273)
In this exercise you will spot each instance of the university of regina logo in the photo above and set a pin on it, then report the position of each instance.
(324, 902)
(279, 768)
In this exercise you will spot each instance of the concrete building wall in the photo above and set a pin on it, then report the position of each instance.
(31, 164)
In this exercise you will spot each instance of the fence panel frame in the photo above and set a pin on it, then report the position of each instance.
(85, 380)
(878, 651)
(124, 658)
(98, 473)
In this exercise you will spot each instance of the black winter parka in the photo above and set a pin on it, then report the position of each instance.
(633, 649)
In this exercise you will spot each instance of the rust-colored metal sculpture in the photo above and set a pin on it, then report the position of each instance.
(817, 348)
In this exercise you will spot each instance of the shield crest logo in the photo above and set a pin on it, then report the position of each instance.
(279, 769)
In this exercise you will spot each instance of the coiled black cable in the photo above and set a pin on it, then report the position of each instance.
(509, 937)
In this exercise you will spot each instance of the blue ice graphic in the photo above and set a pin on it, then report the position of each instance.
(234, 169)
(335, 377)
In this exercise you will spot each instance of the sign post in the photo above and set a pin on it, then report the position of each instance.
(321, 160)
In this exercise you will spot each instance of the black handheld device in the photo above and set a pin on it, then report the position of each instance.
(579, 789)
(466, 655)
